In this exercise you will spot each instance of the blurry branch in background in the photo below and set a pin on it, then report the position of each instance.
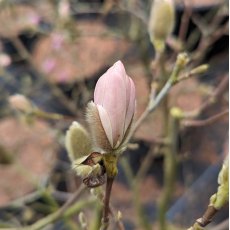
(68, 209)
(181, 62)
(214, 97)
(185, 20)
(211, 30)
(170, 162)
(135, 184)
(208, 121)
(24, 53)
(218, 200)
(30, 111)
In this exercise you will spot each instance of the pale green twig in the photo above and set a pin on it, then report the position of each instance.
(182, 60)
(169, 164)
(135, 185)
(66, 210)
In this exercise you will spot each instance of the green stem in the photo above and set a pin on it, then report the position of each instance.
(24, 53)
(135, 185)
(153, 103)
(169, 168)
(65, 211)
(96, 223)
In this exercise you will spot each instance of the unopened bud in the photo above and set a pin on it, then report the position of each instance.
(21, 103)
(219, 199)
(110, 116)
(119, 215)
(161, 22)
(200, 69)
(77, 141)
(176, 112)
(182, 60)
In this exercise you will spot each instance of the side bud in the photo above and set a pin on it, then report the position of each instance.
(86, 163)
(77, 141)
(161, 22)
(21, 103)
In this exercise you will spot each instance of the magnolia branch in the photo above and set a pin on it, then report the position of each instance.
(208, 121)
(182, 60)
(66, 210)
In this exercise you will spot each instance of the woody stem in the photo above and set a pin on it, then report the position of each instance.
(105, 217)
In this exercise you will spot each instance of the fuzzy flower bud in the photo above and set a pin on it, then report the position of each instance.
(110, 115)
(161, 22)
(85, 162)
(21, 103)
(77, 141)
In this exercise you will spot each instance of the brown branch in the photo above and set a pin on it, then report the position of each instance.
(185, 20)
(208, 121)
(213, 98)
(105, 217)
(53, 216)
(55, 90)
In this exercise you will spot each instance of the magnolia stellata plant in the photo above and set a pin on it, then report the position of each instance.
(110, 118)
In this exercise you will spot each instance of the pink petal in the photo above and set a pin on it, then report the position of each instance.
(115, 105)
(119, 68)
(100, 88)
(131, 104)
(115, 93)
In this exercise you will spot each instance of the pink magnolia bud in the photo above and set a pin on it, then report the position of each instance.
(114, 98)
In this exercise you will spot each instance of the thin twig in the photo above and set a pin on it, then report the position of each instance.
(171, 151)
(154, 102)
(54, 216)
(105, 217)
(185, 20)
(55, 90)
(213, 98)
(208, 121)
(141, 217)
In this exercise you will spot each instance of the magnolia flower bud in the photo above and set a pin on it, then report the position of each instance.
(21, 103)
(85, 162)
(77, 141)
(110, 115)
(161, 22)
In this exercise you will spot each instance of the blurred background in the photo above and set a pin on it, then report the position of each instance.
(53, 52)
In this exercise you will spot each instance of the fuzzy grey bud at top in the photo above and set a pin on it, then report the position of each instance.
(161, 22)
(111, 114)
